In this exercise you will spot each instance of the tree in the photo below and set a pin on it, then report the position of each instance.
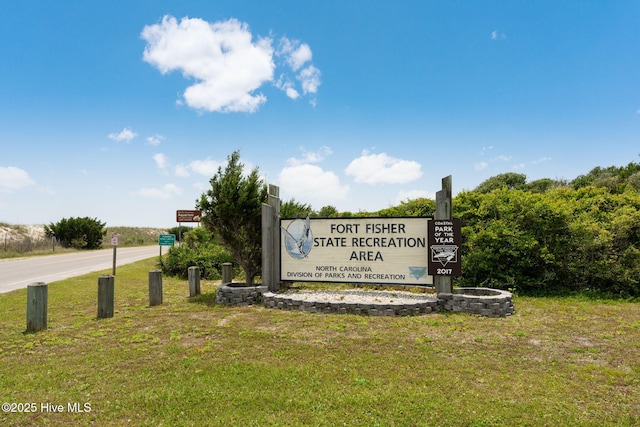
(416, 207)
(80, 233)
(293, 209)
(509, 180)
(232, 211)
(328, 211)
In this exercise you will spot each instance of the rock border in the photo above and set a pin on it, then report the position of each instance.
(481, 301)
(477, 301)
(290, 302)
(240, 295)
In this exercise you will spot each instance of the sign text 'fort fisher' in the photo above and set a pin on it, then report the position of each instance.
(359, 250)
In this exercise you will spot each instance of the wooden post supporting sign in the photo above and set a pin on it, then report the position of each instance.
(443, 211)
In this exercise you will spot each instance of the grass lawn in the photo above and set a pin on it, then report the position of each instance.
(556, 362)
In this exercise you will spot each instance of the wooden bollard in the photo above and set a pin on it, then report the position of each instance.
(105, 296)
(194, 281)
(155, 287)
(37, 300)
(227, 273)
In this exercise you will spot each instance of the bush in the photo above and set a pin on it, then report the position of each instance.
(79, 233)
(207, 257)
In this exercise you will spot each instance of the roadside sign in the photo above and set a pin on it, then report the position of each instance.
(188, 216)
(445, 239)
(166, 239)
(114, 239)
(355, 250)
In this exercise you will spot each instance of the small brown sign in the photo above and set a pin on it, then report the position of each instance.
(188, 216)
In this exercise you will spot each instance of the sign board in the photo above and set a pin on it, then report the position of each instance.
(166, 239)
(355, 250)
(114, 239)
(188, 216)
(445, 240)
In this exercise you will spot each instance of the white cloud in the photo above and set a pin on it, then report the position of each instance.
(383, 169)
(295, 53)
(311, 156)
(166, 192)
(206, 167)
(161, 160)
(221, 56)
(502, 158)
(541, 160)
(125, 134)
(298, 55)
(481, 165)
(312, 184)
(155, 140)
(182, 170)
(310, 79)
(519, 166)
(13, 178)
(288, 88)
(497, 35)
(292, 93)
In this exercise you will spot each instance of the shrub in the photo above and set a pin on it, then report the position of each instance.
(79, 233)
(207, 257)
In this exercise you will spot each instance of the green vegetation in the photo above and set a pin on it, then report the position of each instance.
(78, 233)
(579, 238)
(198, 249)
(133, 236)
(232, 211)
(564, 361)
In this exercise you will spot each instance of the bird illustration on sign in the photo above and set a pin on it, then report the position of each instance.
(298, 238)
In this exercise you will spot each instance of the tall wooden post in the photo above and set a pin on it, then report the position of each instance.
(105, 296)
(37, 301)
(443, 211)
(194, 281)
(274, 202)
(271, 240)
(155, 287)
(267, 245)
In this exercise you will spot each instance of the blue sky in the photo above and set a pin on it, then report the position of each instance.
(123, 110)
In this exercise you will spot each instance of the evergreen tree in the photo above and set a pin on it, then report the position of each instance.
(232, 211)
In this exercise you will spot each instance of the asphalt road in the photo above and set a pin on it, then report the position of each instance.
(18, 273)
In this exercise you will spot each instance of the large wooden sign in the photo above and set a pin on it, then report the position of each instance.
(355, 250)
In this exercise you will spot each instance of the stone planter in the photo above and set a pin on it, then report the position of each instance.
(239, 294)
(480, 301)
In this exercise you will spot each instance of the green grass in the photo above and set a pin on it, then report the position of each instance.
(566, 361)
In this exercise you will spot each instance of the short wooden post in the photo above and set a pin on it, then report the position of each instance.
(37, 300)
(227, 273)
(105, 296)
(155, 287)
(194, 281)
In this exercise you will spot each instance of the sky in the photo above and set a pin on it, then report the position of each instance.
(124, 110)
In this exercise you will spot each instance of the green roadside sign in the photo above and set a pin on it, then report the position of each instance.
(166, 239)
